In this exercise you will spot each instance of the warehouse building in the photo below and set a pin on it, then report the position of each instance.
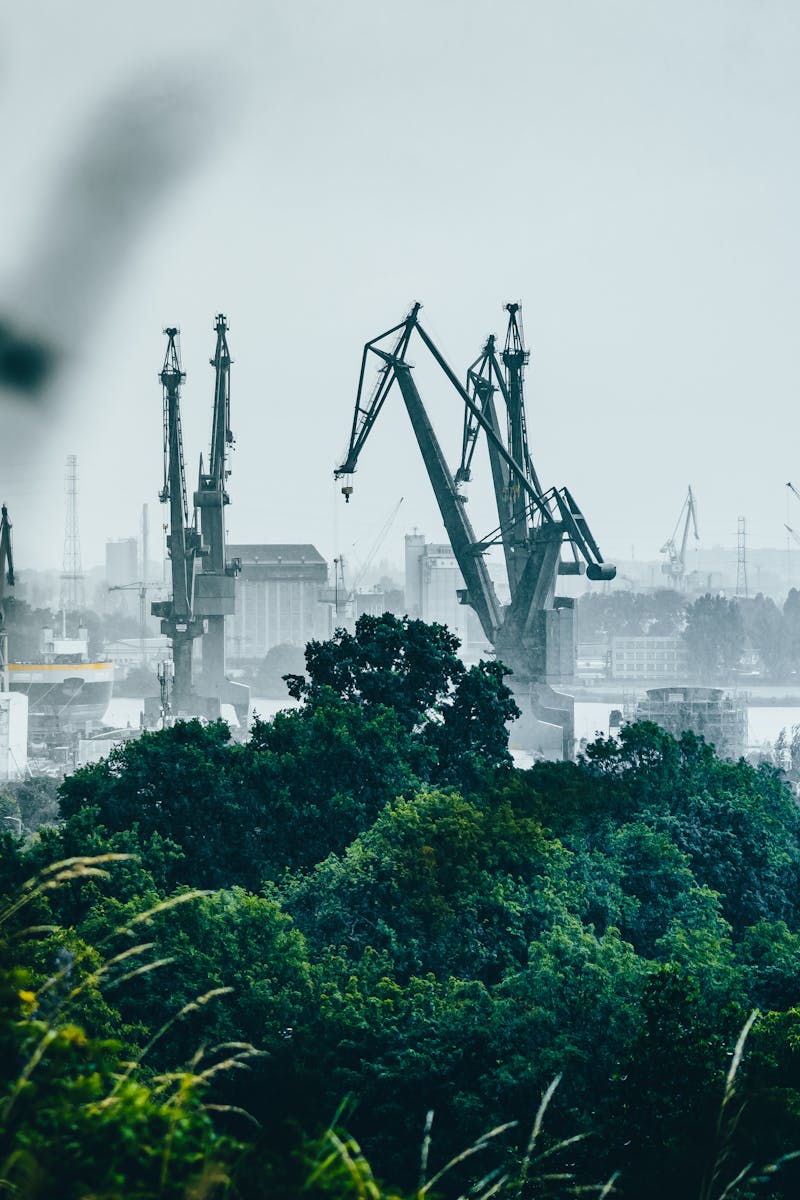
(278, 599)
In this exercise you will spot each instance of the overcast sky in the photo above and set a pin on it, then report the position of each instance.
(628, 170)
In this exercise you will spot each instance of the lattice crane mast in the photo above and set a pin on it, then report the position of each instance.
(6, 581)
(675, 563)
(178, 620)
(214, 585)
(533, 525)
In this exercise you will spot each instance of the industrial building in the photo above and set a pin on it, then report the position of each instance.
(278, 602)
(647, 657)
(13, 736)
(122, 562)
(146, 652)
(433, 582)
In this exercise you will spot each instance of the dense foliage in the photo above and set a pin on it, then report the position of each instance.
(405, 928)
(722, 636)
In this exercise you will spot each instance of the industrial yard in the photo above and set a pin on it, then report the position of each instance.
(400, 601)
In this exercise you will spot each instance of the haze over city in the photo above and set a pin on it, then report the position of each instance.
(625, 171)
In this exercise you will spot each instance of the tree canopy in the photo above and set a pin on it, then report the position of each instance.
(406, 929)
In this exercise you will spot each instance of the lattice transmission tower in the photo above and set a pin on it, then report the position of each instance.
(742, 591)
(73, 595)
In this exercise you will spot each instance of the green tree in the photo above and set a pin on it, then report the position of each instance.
(666, 1095)
(402, 664)
(661, 613)
(441, 884)
(714, 637)
(35, 801)
(179, 783)
(738, 825)
(231, 940)
(280, 661)
(791, 620)
(413, 669)
(73, 1123)
(765, 628)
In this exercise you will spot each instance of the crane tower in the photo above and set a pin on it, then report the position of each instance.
(178, 620)
(675, 563)
(215, 583)
(533, 635)
(203, 580)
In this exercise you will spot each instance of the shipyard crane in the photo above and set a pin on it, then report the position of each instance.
(532, 634)
(6, 580)
(215, 583)
(178, 619)
(675, 564)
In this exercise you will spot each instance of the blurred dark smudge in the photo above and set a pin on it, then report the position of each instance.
(25, 364)
(142, 142)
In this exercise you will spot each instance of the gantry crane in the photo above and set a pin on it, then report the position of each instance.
(533, 634)
(215, 583)
(178, 619)
(675, 564)
(6, 580)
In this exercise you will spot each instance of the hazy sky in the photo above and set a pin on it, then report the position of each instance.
(628, 170)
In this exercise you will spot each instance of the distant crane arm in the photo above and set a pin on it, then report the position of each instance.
(675, 566)
(691, 517)
(394, 368)
(493, 437)
(221, 435)
(376, 545)
(181, 539)
(365, 415)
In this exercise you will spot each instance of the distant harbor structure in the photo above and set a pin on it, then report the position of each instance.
(277, 598)
(65, 690)
(720, 717)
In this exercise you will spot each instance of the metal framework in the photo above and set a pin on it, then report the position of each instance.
(215, 596)
(72, 579)
(742, 588)
(675, 564)
(533, 525)
(215, 584)
(178, 619)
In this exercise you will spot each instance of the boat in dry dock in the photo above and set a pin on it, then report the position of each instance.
(64, 686)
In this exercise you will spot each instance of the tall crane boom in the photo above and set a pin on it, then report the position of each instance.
(215, 583)
(393, 368)
(221, 435)
(6, 580)
(533, 526)
(375, 547)
(675, 564)
(178, 620)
